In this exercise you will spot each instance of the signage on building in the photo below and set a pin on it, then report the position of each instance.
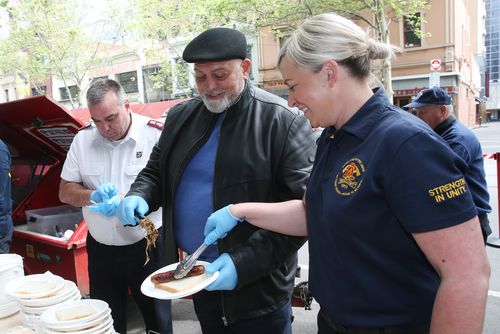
(435, 65)
(273, 83)
(434, 79)
(416, 90)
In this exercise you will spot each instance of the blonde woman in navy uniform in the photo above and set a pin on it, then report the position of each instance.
(395, 244)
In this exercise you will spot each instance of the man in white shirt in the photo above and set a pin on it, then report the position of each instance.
(103, 161)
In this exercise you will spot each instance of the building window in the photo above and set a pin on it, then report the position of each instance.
(181, 77)
(128, 80)
(37, 91)
(411, 31)
(249, 56)
(402, 101)
(7, 95)
(64, 92)
(156, 83)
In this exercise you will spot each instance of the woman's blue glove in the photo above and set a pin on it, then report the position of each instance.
(219, 224)
(108, 208)
(130, 207)
(228, 277)
(103, 193)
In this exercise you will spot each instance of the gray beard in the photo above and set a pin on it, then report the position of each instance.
(218, 107)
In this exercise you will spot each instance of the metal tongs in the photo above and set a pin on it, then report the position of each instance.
(185, 266)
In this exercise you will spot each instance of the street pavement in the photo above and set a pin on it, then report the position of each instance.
(305, 321)
(489, 136)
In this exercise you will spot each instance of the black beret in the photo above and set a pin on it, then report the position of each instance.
(215, 45)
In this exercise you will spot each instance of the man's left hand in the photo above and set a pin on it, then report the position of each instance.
(104, 193)
(228, 277)
(108, 208)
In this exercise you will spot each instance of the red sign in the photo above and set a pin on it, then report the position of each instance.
(436, 65)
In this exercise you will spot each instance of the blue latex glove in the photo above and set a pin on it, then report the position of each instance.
(108, 208)
(103, 193)
(219, 224)
(130, 207)
(228, 277)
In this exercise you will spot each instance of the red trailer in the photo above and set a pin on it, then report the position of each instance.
(39, 132)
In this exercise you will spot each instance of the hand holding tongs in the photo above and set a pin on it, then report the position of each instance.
(187, 264)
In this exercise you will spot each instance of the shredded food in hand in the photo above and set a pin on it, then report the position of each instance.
(151, 235)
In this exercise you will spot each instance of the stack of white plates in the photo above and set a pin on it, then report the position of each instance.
(37, 293)
(86, 316)
(19, 330)
(11, 268)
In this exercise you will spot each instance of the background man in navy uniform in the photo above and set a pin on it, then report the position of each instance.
(433, 106)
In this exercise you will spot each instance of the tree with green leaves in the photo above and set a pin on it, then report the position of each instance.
(168, 19)
(52, 39)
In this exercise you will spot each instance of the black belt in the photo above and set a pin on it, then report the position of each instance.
(420, 329)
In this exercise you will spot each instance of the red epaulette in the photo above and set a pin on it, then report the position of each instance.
(156, 124)
(87, 125)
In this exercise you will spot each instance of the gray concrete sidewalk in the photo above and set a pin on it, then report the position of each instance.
(185, 321)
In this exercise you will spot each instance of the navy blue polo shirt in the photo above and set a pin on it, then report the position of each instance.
(382, 176)
(465, 143)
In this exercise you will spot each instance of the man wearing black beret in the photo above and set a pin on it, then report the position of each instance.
(234, 143)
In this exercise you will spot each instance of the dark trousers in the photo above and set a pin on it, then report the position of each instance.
(6, 237)
(115, 269)
(208, 308)
(327, 326)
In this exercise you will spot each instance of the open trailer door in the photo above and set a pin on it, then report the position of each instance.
(39, 132)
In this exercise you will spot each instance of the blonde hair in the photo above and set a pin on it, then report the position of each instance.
(331, 36)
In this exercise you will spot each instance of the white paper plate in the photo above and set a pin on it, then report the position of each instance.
(10, 275)
(102, 326)
(31, 321)
(7, 260)
(104, 318)
(40, 309)
(68, 291)
(49, 316)
(19, 330)
(149, 289)
(9, 309)
(8, 268)
(53, 282)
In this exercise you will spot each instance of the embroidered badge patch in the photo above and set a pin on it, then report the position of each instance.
(155, 124)
(448, 190)
(138, 154)
(349, 180)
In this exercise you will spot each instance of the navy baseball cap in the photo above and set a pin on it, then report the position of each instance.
(434, 95)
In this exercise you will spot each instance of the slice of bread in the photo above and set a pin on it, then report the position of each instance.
(75, 312)
(35, 287)
(182, 284)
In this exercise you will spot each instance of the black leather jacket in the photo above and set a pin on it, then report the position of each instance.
(265, 154)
